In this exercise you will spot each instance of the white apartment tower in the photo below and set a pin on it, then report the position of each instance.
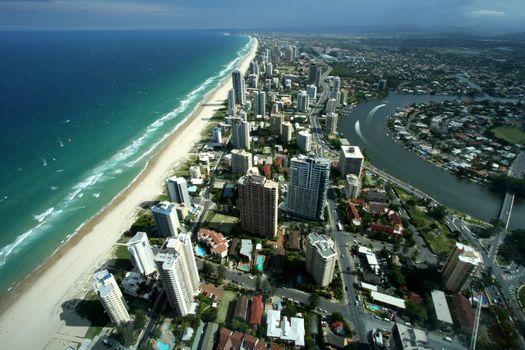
(141, 254)
(352, 186)
(178, 191)
(460, 267)
(307, 186)
(312, 91)
(165, 215)
(321, 258)
(231, 102)
(238, 87)
(350, 160)
(304, 140)
(111, 297)
(331, 123)
(302, 101)
(331, 105)
(286, 132)
(240, 133)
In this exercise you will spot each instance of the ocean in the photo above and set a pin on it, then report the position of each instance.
(81, 113)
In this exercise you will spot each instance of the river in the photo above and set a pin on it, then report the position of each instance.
(366, 127)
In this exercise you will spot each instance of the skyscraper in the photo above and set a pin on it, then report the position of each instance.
(304, 140)
(111, 297)
(178, 191)
(254, 68)
(318, 75)
(302, 101)
(238, 87)
(331, 105)
(352, 186)
(321, 258)
(217, 134)
(261, 104)
(350, 160)
(331, 123)
(312, 71)
(307, 186)
(286, 132)
(258, 199)
(178, 273)
(241, 161)
(231, 102)
(312, 91)
(165, 216)
(335, 87)
(461, 265)
(141, 254)
(240, 133)
(269, 69)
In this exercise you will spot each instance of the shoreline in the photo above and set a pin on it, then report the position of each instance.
(34, 305)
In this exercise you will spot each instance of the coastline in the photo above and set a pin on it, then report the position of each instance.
(37, 305)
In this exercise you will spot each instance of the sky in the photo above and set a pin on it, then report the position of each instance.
(483, 15)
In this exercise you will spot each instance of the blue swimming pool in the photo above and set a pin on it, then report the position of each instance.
(374, 307)
(163, 346)
(200, 251)
(260, 262)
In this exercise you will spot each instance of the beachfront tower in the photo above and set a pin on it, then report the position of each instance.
(141, 254)
(258, 200)
(241, 161)
(165, 215)
(178, 273)
(231, 102)
(111, 297)
(321, 258)
(240, 133)
(238, 87)
(350, 160)
(178, 191)
(217, 134)
(307, 186)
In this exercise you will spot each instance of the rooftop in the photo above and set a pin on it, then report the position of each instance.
(325, 246)
(441, 306)
(388, 299)
(351, 152)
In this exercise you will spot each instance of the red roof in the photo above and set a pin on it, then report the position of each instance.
(214, 240)
(278, 162)
(352, 211)
(267, 170)
(274, 346)
(395, 218)
(465, 313)
(236, 339)
(381, 228)
(256, 310)
(224, 339)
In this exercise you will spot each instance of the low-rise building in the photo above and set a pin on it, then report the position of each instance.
(214, 241)
(288, 330)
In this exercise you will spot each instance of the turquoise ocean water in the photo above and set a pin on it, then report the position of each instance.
(80, 115)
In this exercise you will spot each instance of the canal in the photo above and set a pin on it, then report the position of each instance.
(366, 127)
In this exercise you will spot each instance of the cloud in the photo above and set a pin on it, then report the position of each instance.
(486, 13)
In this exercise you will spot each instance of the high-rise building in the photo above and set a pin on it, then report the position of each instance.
(141, 254)
(331, 105)
(460, 267)
(331, 123)
(307, 186)
(344, 98)
(165, 216)
(352, 186)
(261, 104)
(111, 297)
(240, 133)
(335, 87)
(381, 85)
(304, 140)
(312, 71)
(318, 75)
(276, 121)
(312, 91)
(286, 132)
(241, 161)
(231, 102)
(238, 87)
(321, 258)
(254, 68)
(178, 273)
(216, 134)
(258, 199)
(350, 160)
(290, 54)
(253, 81)
(302, 101)
(178, 191)
(269, 69)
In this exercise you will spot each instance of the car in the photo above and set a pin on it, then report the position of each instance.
(448, 339)
(356, 302)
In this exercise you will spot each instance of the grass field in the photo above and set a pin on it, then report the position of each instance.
(403, 195)
(509, 134)
(227, 297)
(221, 222)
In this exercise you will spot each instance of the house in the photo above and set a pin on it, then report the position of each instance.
(353, 214)
(294, 240)
(290, 331)
(214, 241)
(256, 311)
(380, 228)
(246, 249)
(229, 340)
(278, 260)
(241, 308)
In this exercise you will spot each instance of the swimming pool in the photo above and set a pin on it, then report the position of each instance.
(374, 307)
(163, 346)
(260, 262)
(200, 251)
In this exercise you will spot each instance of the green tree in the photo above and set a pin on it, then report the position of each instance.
(221, 274)
(313, 300)
(125, 335)
(140, 319)
(415, 311)
(207, 268)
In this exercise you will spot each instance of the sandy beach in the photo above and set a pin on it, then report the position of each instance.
(35, 314)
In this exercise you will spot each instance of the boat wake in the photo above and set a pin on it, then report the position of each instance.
(373, 111)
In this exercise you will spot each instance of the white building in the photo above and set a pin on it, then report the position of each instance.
(350, 160)
(304, 140)
(461, 266)
(290, 331)
(286, 132)
(195, 172)
(352, 186)
(179, 274)
(312, 91)
(331, 105)
(321, 258)
(111, 297)
(240, 133)
(241, 161)
(178, 191)
(141, 254)
(303, 101)
(307, 186)
(331, 123)
(165, 216)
